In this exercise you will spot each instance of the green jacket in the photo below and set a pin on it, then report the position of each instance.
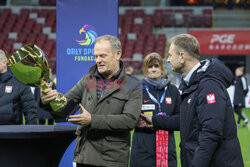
(106, 141)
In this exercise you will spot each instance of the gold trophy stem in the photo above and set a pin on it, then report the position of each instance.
(60, 100)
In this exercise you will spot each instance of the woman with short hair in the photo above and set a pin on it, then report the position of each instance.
(160, 110)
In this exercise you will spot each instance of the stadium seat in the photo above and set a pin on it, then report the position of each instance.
(44, 2)
(121, 20)
(139, 13)
(178, 18)
(6, 11)
(8, 45)
(207, 14)
(196, 21)
(34, 10)
(168, 20)
(2, 40)
(52, 2)
(137, 28)
(37, 28)
(129, 13)
(135, 2)
(187, 17)
(158, 17)
(21, 37)
(43, 13)
(126, 3)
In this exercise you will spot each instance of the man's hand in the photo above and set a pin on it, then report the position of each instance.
(141, 123)
(145, 121)
(81, 119)
(147, 118)
(48, 95)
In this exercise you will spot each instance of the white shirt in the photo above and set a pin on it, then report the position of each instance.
(187, 78)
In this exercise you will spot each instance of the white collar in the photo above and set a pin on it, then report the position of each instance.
(187, 78)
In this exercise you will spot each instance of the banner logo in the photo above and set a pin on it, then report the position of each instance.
(85, 52)
(223, 38)
(90, 35)
(223, 42)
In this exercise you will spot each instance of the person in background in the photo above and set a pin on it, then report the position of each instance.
(42, 114)
(110, 102)
(161, 103)
(207, 124)
(16, 99)
(129, 70)
(240, 92)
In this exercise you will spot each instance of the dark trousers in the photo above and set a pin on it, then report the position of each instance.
(83, 165)
(238, 111)
(42, 121)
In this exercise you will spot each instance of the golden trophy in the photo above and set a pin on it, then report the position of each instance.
(30, 66)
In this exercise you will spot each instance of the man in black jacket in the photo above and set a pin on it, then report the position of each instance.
(16, 99)
(240, 91)
(207, 125)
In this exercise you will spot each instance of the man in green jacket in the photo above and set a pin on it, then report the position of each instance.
(110, 103)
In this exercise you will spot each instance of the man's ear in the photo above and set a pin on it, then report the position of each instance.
(182, 57)
(118, 55)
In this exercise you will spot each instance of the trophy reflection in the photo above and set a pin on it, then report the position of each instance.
(30, 66)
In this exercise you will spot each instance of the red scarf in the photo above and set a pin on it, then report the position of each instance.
(161, 148)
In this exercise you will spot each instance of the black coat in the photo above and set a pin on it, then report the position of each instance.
(143, 153)
(240, 91)
(16, 99)
(208, 128)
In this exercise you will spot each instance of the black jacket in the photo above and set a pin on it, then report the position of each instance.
(208, 128)
(143, 153)
(240, 91)
(16, 99)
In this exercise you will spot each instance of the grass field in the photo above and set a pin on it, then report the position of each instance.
(243, 135)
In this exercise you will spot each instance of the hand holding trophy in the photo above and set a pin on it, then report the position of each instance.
(30, 66)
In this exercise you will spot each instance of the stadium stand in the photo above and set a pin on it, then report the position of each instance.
(138, 28)
(29, 25)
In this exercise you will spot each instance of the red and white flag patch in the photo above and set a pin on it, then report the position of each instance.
(211, 98)
(8, 89)
(168, 100)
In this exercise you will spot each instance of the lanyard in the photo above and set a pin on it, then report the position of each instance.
(154, 99)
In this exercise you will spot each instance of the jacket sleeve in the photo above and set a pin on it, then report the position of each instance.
(169, 122)
(211, 112)
(28, 105)
(244, 85)
(76, 92)
(74, 97)
(125, 121)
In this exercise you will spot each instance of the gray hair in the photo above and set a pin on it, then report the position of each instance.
(114, 42)
(2, 55)
(188, 43)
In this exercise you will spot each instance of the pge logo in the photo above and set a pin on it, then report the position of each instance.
(223, 38)
(89, 34)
